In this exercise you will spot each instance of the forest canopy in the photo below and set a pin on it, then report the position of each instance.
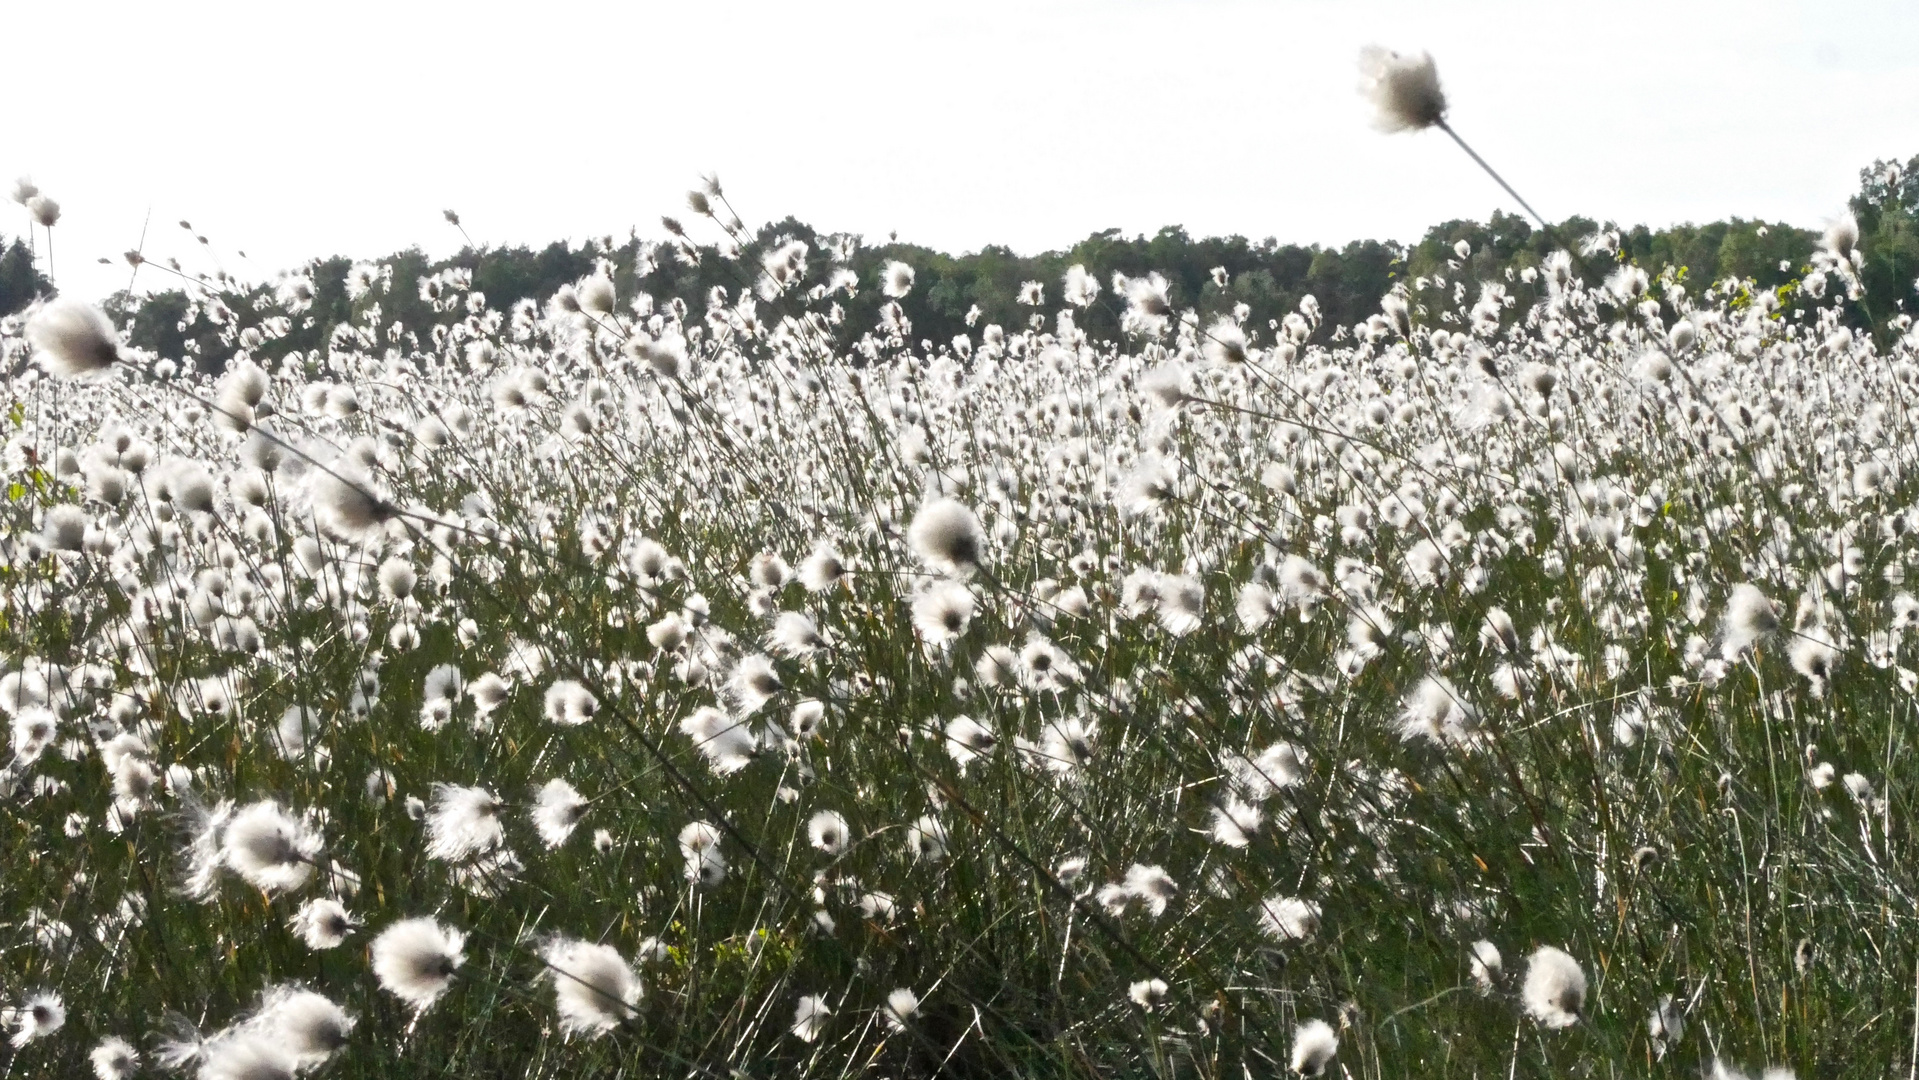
(959, 294)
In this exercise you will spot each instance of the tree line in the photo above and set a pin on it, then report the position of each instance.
(960, 294)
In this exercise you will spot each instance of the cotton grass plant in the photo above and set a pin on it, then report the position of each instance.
(613, 687)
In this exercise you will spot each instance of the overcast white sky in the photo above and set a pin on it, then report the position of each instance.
(292, 131)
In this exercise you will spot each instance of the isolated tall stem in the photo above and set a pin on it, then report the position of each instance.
(1490, 171)
(1545, 226)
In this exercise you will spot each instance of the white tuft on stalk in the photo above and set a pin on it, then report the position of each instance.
(415, 960)
(946, 535)
(1554, 993)
(594, 987)
(73, 339)
(1403, 88)
(1314, 1044)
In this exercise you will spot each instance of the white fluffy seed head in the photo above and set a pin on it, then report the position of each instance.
(64, 528)
(1165, 384)
(942, 612)
(443, 682)
(245, 384)
(1555, 988)
(669, 633)
(1404, 89)
(1682, 336)
(464, 821)
(901, 1004)
(1314, 1044)
(967, 738)
(807, 719)
(596, 295)
(72, 338)
(1082, 288)
(699, 837)
(271, 849)
(432, 432)
(1225, 343)
(39, 1016)
(1182, 603)
(1147, 993)
(323, 924)
(828, 831)
(594, 988)
(348, 502)
(1235, 821)
(1666, 1025)
(946, 534)
(1289, 918)
(926, 839)
(1654, 366)
(295, 732)
(794, 635)
(1857, 786)
(725, 742)
(1277, 767)
(1436, 712)
(397, 578)
(896, 280)
(1842, 236)
(556, 811)
(1068, 744)
(1750, 616)
(114, 1059)
(705, 863)
(1152, 886)
(809, 1018)
(570, 704)
(666, 355)
(415, 959)
(1487, 965)
(307, 1024)
(754, 682)
(488, 692)
(822, 569)
(247, 1055)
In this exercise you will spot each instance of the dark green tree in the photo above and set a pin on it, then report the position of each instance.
(20, 280)
(961, 294)
(1885, 207)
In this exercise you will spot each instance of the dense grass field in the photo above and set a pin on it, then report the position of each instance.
(604, 689)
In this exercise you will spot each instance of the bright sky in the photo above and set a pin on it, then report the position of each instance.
(291, 131)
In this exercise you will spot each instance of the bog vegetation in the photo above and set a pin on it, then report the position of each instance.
(1514, 679)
